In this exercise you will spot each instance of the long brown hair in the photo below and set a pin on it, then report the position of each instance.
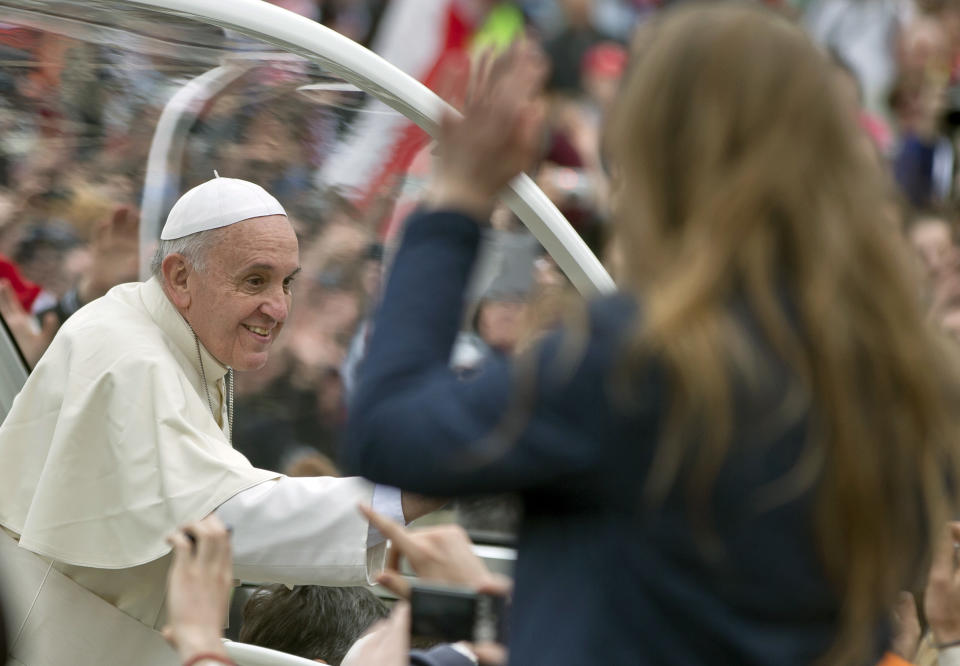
(741, 174)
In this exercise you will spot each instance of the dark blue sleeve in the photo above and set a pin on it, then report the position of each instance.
(913, 170)
(415, 424)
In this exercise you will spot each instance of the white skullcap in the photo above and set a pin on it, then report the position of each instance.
(218, 203)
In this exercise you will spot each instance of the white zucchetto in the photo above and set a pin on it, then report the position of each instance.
(218, 203)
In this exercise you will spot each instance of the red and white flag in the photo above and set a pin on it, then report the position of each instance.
(428, 39)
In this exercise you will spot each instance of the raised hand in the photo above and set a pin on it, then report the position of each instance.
(906, 627)
(499, 135)
(198, 588)
(114, 248)
(33, 339)
(941, 601)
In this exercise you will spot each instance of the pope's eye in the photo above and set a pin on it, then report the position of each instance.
(255, 281)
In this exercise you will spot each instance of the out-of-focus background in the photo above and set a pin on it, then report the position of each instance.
(83, 89)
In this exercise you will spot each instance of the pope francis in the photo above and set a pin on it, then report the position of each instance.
(122, 433)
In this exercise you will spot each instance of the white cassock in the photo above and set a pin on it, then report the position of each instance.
(109, 447)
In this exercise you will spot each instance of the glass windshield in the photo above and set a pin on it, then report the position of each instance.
(109, 113)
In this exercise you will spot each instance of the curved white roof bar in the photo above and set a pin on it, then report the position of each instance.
(166, 150)
(371, 73)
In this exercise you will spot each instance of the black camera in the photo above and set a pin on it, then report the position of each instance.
(452, 614)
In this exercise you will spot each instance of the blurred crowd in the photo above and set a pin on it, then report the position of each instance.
(77, 119)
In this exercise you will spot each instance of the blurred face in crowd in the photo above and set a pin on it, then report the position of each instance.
(932, 240)
(578, 12)
(600, 73)
(371, 277)
(499, 323)
(924, 44)
(46, 268)
(240, 301)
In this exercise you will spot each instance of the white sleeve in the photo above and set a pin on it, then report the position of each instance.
(387, 501)
(303, 531)
(949, 657)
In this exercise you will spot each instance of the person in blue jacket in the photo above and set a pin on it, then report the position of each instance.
(742, 456)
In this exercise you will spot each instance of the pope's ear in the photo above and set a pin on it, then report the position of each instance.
(175, 271)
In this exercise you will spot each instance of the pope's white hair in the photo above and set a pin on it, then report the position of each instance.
(193, 248)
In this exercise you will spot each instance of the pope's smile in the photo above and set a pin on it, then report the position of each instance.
(263, 334)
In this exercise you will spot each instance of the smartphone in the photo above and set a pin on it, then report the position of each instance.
(451, 614)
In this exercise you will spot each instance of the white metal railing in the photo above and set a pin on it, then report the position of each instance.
(254, 655)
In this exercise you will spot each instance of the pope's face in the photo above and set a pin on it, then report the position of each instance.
(241, 300)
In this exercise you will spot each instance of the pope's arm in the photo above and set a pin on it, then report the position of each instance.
(301, 530)
(307, 530)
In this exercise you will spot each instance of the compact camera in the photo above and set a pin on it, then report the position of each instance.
(452, 614)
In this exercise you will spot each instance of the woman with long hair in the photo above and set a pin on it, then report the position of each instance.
(741, 457)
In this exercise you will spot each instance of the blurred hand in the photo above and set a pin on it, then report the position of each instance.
(198, 588)
(386, 644)
(115, 254)
(941, 601)
(945, 294)
(490, 654)
(33, 339)
(906, 627)
(441, 554)
(498, 136)
(546, 274)
(944, 308)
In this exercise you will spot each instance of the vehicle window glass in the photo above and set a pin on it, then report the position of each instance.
(108, 113)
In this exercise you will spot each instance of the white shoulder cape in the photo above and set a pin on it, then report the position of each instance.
(110, 445)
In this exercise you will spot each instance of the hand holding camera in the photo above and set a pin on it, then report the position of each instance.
(440, 554)
(456, 598)
(199, 585)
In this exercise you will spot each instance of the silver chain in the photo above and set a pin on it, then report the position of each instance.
(206, 389)
(230, 400)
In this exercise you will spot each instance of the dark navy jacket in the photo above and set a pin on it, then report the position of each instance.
(598, 580)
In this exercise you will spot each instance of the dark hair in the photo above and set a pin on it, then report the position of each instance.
(802, 245)
(310, 621)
